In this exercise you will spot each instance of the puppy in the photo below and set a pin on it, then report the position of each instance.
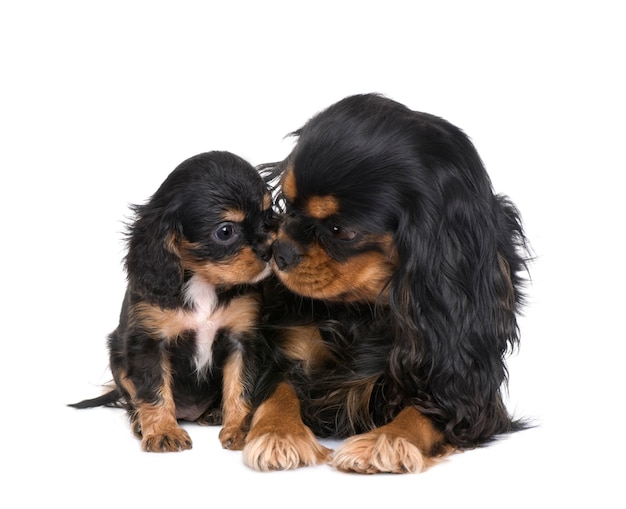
(187, 345)
(404, 275)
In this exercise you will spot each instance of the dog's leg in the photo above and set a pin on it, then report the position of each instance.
(278, 439)
(154, 417)
(234, 408)
(409, 443)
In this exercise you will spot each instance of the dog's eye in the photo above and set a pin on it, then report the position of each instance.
(226, 233)
(342, 233)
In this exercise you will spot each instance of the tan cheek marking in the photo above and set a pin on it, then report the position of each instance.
(361, 278)
(370, 274)
(289, 184)
(243, 267)
(364, 277)
(321, 207)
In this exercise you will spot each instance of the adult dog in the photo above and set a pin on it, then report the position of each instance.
(400, 280)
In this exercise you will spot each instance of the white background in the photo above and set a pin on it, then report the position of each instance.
(101, 100)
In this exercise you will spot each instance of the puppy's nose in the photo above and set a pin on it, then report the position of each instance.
(263, 251)
(286, 254)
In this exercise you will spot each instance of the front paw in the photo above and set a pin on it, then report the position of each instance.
(173, 440)
(232, 437)
(375, 452)
(276, 451)
(212, 417)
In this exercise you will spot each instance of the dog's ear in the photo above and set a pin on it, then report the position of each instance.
(153, 265)
(454, 299)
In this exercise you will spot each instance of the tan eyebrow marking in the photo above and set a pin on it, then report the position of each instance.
(321, 207)
(234, 215)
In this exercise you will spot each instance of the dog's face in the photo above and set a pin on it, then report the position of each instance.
(211, 217)
(326, 247)
(346, 194)
(225, 220)
(374, 193)
(349, 187)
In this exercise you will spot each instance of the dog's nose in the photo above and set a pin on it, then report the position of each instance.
(286, 254)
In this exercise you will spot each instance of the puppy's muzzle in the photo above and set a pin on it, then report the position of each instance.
(286, 254)
(263, 251)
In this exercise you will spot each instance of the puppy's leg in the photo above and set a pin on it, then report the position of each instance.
(278, 439)
(234, 408)
(154, 414)
(409, 443)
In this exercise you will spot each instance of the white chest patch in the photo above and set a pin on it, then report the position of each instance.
(205, 318)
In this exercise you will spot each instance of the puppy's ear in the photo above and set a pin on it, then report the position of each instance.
(152, 263)
(454, 300)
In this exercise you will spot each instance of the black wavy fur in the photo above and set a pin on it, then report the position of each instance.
(437, 340)
(185, 219)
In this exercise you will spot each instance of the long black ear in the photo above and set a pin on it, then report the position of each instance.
(454, 298)
(152, 263)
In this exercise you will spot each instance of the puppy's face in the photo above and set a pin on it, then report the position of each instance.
(234, 248)
(225, 219)
(331, 244)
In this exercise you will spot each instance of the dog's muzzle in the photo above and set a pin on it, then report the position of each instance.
(286, 254)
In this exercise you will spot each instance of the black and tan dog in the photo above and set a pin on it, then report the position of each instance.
(187, 346)
(403, 274)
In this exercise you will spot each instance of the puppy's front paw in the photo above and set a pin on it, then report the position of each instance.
(232, 437)
(375, 452)
(276, 451)
(175, 439)
(212, 417)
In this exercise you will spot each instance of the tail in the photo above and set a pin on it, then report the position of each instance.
(111, 398)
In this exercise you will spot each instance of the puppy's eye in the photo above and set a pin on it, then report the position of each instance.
(226, 233)
(342, 233)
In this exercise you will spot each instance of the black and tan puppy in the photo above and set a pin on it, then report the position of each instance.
(187, 346)
(403, 275)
